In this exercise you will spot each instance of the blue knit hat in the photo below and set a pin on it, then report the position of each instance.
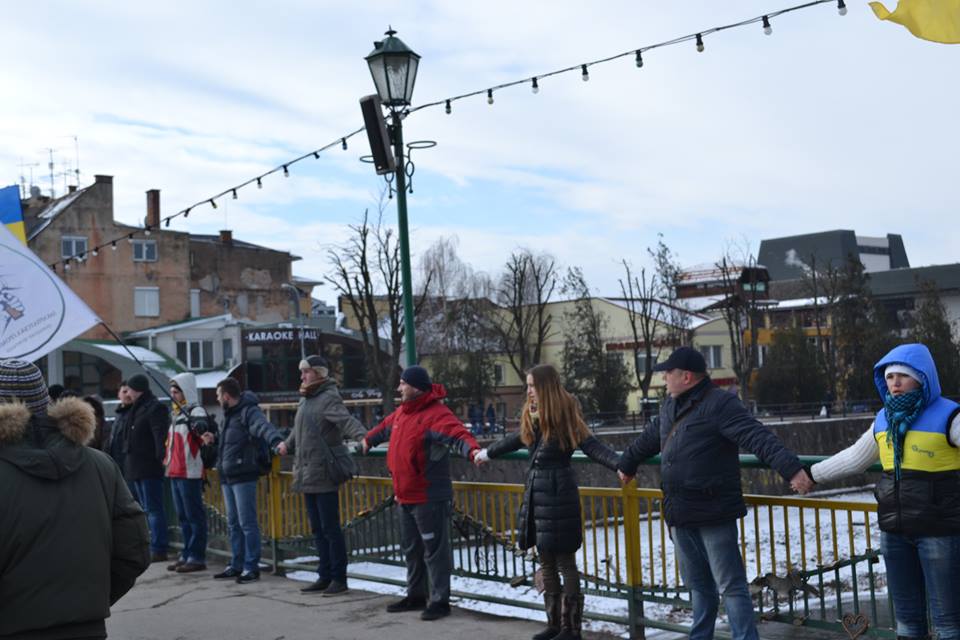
(22, 382)
(417, 377)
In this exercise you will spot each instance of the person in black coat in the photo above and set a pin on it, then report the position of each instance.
(551, 428)
(146, 431)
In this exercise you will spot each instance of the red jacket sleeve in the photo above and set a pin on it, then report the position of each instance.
(381, 432)
(447, 429)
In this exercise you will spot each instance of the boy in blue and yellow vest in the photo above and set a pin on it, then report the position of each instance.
(915, 436)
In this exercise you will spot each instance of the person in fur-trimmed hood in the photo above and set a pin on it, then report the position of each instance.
(74, 540)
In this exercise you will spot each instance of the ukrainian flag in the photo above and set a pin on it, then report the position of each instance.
(10, 212)
(934, 20)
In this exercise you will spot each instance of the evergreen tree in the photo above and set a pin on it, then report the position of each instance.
(790, 375)
(601, 383)
(932, 328)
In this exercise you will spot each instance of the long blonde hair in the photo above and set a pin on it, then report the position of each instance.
(557, 412)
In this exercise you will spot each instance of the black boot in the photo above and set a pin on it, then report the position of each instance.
(572, 618)
(553, 603)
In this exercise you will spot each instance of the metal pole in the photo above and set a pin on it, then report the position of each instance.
(408, 329)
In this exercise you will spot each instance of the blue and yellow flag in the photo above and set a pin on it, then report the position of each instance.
(934, 20)
(10, 212)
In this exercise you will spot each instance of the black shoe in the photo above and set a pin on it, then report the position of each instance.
(335, 589)
(407, 604)
(248, 576)
(229, 572)
(191, 567)
(316, 586)
(436, 611)
(176, 565)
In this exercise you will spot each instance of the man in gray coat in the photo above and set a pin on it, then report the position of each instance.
(319, 428)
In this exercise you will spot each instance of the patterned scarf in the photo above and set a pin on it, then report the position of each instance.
(900, 412)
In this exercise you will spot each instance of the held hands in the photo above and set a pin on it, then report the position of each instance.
(364, 446)
(624, 478)
(480, 457)
(207, 437)
(802, 483)
(282, 449)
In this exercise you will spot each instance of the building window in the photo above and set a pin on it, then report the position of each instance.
(497, 375)
(713, 354)
(144, 250)
(72, 246)
(228, 351)
(146, 301)
(194, 303)
(642, 361)
(195, 354)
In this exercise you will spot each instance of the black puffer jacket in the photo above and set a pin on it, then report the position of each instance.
(553, 523)
(147, 426)
(117, 442)
(238, 450)
(72, 539)
(700, 465)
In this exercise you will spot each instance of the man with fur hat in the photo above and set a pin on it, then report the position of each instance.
(421, 432)
(74, 540)
(319, 428)
(147, 426)
(185, 470)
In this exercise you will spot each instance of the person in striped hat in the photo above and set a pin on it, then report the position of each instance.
(22, 382)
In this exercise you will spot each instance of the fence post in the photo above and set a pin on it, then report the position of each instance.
(631, 536)
(275, 512)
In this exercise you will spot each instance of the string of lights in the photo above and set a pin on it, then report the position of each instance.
(534, 82)
(232, 192)
(584, 68)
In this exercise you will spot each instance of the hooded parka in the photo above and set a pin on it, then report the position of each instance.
(72, 538)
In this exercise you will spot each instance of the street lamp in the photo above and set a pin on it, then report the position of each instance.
(296, 300)
(393, 66)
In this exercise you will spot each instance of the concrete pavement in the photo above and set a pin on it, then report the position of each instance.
(171, 606)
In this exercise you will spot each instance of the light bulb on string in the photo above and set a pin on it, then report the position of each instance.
(343, 143)
(146, 230)
(584, 74)
(448, 108)
(286, 171)
(186, 212)
(95, 252)
(699, 43)
(113, 245)
(259, 184)
(166, 222)
(639, 59)
(316, 156)
(66, 264)
(534, 87)
(213, 203)
(489, 96)
(767, 29)
(841, 7)
(234, 191)
(130, 238)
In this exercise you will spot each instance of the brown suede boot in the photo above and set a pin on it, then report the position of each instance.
(553, 603)
(572, 618)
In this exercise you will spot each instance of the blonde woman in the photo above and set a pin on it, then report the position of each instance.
(552, 428)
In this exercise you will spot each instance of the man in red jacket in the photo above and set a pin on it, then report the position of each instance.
(421, 432)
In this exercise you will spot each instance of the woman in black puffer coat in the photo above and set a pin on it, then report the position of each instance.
(552, 428)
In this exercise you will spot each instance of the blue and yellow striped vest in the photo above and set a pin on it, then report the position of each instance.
(926, 447)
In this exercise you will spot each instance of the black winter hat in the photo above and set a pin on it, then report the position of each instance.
(685, 358)
(417, 377)
(138, 383)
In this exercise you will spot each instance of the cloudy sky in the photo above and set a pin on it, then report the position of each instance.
(830, 122)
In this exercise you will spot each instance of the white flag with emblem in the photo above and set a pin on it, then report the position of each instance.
(38, 311)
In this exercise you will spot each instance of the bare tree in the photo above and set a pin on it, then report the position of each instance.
(523, 325)
(645, 312)
(823, 283)
(366, 274)
(740, 309)
(667, 269)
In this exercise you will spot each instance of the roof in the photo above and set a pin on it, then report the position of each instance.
(225, 318)
(155, 360)
(786, 258)
(696, 319)
(52, 210)
(907, 281)
(215, 239)
(209, 379)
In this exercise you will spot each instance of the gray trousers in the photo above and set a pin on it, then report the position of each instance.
(425, 540)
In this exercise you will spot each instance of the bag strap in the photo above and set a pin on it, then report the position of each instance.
(683, 416)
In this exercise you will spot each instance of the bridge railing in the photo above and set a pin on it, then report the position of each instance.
(810, 561)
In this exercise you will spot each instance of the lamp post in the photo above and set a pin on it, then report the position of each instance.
(393, 66)
(296, 300)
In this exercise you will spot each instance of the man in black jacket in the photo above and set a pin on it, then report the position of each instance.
(699, 435)
(147, 423)
(242, 451)
(73, 539)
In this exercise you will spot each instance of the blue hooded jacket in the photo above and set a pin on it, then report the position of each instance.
(926, 500)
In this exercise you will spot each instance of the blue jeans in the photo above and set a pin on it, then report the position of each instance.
(711, 565)
(923, 571)
(188, 500)
(323, 509)
(150, 496)
(241, 501)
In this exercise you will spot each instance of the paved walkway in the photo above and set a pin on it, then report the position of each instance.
(170, 606)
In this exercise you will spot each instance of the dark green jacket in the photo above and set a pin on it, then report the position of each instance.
(321, 414)
(72, 539)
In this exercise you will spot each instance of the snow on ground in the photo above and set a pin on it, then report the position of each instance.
(765, 553)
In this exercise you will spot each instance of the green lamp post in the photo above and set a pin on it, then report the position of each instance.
(393, 66)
